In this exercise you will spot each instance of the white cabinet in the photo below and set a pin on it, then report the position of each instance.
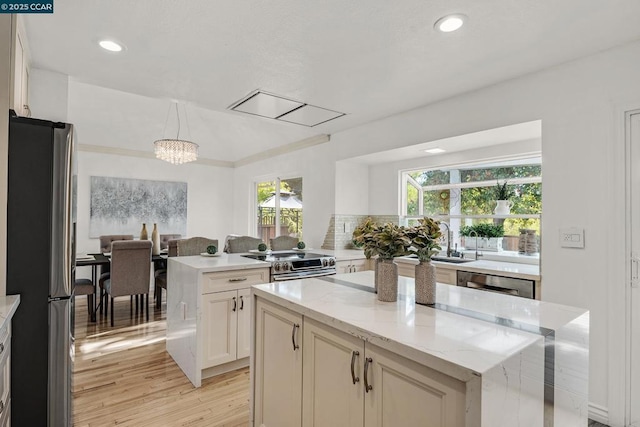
(332, 370)
(5, 375)
(20, 71)
(332, 378)
(352, 265)
(347, 382)
(277, 367)
(226, 315)
(446, 275)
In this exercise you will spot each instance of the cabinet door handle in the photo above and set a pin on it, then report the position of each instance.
(241, 303)
(293, 337)
(353, 367)
(367, 386)
(238, 279)
(235, 304)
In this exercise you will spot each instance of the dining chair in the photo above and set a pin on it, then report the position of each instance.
(194, 245)
(179, 247)
(165, 238)
(105, 246)
(85, 287)
(283, 243)
(243, 244)
(130, 274)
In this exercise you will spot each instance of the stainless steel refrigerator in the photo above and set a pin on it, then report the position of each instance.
(41, 268)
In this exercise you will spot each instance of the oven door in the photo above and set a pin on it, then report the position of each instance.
(297, 275)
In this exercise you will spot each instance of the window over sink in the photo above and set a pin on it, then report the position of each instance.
(465, 195)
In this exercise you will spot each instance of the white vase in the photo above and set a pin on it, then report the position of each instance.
(155, 239)
(503, 207)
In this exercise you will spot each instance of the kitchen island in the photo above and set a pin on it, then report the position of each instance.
(208, 312)
(326, 350)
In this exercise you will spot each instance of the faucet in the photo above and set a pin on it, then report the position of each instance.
(476, 233)
(448, 238)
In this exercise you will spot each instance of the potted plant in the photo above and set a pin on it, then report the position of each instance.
(424, 244)
(483, 236)
(503, 196)
(359, 233)
(387, 242)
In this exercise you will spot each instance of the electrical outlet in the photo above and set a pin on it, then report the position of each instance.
(572, 237)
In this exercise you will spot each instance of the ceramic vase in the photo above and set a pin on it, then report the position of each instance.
(425, 280)
(503, 207)
(155, 238)
(375, 274)
(143, 233)
(387, 280)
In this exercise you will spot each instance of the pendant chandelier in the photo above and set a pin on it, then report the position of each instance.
(176, 151)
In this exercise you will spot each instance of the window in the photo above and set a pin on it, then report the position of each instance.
(466, 194)
(279, 205)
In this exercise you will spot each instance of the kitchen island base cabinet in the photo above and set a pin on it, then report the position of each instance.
(339, 390)
(277, 372)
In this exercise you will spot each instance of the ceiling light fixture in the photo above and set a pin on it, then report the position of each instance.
(176, 151)
(450, 23)
(435, 150)
(110, 45)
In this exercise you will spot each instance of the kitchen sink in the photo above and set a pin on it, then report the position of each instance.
(452, 260)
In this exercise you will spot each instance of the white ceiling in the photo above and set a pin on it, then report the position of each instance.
(367, 58)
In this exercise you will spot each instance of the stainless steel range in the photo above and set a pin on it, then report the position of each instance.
(297, 265)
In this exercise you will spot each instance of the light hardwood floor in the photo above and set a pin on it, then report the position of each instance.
(124, 376)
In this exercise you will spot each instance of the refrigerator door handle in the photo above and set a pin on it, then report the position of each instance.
(62, 256)
(60, 362)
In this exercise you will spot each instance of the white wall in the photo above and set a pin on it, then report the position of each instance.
(352, 197)
(316, 166)
(209, 192)
(580, 104)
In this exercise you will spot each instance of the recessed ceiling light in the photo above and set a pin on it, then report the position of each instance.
(434, 150)
(450, 23)
(110, 45)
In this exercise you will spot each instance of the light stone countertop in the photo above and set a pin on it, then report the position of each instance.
(223, 262)
(457, 344)
(8, 306)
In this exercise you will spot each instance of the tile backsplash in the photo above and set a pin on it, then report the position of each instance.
(340, 231)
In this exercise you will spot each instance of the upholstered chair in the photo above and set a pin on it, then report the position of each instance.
(180, 247)
(130, 273)
(105, 246)
(243, 244)
(194, 245)
(164, 239)
(85, 287)
(105, 241)
(283, 243)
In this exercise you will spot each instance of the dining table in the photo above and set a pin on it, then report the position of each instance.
(95, 260)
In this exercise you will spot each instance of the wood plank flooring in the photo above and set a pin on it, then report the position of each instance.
(124, 376)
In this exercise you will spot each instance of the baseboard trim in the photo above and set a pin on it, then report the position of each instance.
(599, 413)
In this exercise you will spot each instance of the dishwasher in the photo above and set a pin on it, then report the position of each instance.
(504, 285)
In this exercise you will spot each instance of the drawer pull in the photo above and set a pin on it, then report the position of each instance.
(241, 302)
(367, 386)
(1, 348)
(353, 367)
(293, 337)
(238, 279)
(235, 304)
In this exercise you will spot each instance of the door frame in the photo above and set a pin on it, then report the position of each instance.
(626, 295)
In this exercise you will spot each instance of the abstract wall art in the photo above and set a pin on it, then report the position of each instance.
(121, 205)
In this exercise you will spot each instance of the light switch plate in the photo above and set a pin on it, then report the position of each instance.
(572, 237)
